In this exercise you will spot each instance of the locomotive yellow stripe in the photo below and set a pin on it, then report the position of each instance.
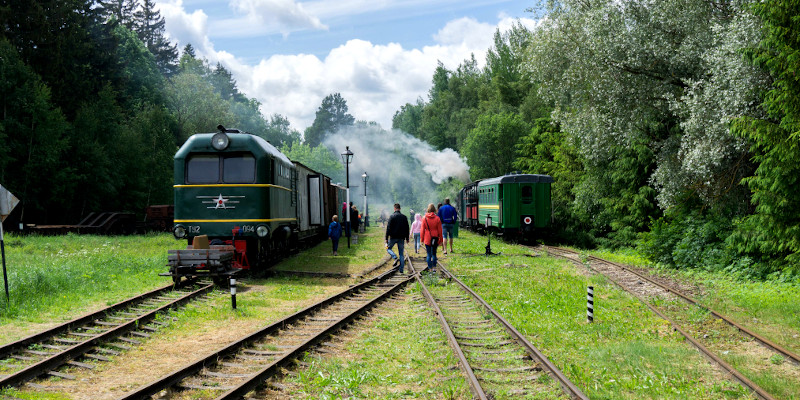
(245, 185)
(186, 221)
(490, 207)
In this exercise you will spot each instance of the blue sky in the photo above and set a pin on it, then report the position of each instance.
(379, 54)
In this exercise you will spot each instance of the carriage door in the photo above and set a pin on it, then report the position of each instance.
(527, 206)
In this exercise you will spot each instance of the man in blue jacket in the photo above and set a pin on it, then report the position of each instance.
(449, 217)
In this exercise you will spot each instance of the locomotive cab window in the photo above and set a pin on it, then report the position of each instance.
(202, 168)
(239, 169)
(527, 195)
(213, 168)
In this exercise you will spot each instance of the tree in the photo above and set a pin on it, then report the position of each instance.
(331, 116)
(547, 150)
(66, 44)
(196, 105)
(140, 79)
(120, 10)
(409, 118)
(279, 132)
(772, 233)
(318, 158)
(490, 147)
(149, 24)
(505, 64)
(33, 132)
(223, 81)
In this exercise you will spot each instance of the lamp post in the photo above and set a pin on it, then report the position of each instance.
(347, 157)
(365, 178)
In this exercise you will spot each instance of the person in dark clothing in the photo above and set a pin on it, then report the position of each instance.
(397, 232)
(448, 215)
(334, 233)
(354, 220)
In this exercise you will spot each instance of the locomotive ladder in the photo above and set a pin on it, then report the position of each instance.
(293, 186)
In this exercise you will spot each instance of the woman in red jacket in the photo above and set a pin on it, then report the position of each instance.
(431, 233)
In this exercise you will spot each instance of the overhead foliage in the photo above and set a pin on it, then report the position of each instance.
(773, 231)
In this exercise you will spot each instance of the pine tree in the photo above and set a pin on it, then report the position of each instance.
(149, 24)
(331, 116)
(189, 50)
(121, 10)
(773, 232)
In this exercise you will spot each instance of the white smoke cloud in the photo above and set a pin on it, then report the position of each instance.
(394, 159)
(376, 146)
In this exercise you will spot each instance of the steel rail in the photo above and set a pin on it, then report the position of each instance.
(704, 350)
(532, 350)
(466, 368)
(196, 366)
(764, 341)
(265, 373)
(21, 344)
(59, 358)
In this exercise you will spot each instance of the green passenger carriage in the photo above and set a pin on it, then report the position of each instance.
(515, 205)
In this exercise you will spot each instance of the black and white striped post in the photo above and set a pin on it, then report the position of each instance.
(233, 293)
(590, 304)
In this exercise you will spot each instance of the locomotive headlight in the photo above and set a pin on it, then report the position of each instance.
(220, 141)
(179, 232)
(262, 231)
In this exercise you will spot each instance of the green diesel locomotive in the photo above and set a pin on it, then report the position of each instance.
(515, 205)
(249, 199)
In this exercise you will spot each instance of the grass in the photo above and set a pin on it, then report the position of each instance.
(627, 353)
(193, 331)
(400, 354)
(769, 308)
(360, 256)
(58, 278)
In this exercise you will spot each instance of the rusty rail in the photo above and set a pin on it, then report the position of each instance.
(472, 380)
(568, 386)
(760, 392)
(262, 375)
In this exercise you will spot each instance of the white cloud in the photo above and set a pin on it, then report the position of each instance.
(184, 27)
(259, 16)
(375, 80)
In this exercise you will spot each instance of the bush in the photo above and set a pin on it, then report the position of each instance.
(691, 240)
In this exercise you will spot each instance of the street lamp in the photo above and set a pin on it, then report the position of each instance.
(347, 157)
(365, 178)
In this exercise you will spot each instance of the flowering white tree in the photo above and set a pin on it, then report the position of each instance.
(663, 73)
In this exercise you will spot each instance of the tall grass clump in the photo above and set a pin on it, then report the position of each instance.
(57, 277)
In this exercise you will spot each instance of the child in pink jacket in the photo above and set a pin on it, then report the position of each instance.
(415, 228)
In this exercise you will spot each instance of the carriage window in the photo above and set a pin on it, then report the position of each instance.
(239, 168)
(202, 169)
(527, 195)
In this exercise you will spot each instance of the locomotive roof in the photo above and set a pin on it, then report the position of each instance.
(201, 142)
(517, 178)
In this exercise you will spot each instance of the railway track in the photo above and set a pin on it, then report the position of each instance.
(92, 336)
(497, 360)
(248, 364)
(637, 283)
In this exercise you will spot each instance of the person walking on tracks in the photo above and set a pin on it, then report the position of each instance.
(448, 215)
(415, 227)
(431, 233)
(334, 233)
(396, 232)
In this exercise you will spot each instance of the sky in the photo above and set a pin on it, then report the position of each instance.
(378, 54)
